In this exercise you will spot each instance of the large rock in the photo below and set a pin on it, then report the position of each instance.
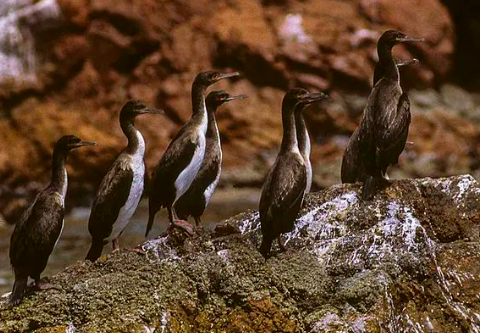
(407, 261)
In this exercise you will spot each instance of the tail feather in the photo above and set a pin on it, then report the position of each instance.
(95, 250)
(371, 186)
(151, 218)
(19, 288)
(265, 247)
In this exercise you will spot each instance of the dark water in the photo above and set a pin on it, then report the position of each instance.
(75, 239)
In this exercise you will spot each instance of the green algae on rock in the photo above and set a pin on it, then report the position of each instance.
(407, 261)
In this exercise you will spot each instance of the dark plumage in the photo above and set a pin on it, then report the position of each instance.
(383, 130)
(182, 160)
(38, 230)
(197, 197)
(284, 187)
(121, 189)
(303, 137)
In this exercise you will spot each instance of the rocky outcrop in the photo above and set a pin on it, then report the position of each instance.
(407, 261)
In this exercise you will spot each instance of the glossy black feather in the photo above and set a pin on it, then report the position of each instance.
(112, 195)
(282, 195)
(193, 202)
(36, 234)
(177, 157)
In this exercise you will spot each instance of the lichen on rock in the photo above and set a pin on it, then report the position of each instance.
(407, 261)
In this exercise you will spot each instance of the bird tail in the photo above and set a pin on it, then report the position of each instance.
(95, 250)
(19, 288)
(151, 218)
(371, 186)
(265, 247)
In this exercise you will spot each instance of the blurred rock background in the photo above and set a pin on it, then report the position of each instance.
(67, 66)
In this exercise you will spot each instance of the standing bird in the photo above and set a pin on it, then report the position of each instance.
(303, 137)
(39, 228)
(183, 158)
(121, 189)
(197, 197)
(353, 168)
(284, 188)
(386, 118)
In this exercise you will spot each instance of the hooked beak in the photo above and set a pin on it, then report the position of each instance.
(227, 75)
(86, 143)
(231, 98)
(313, 97)
(151, 111)
(410, 39)
(408, 62)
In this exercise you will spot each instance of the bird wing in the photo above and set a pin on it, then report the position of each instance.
(176, 158)
(283, 194)
(111, 197)
(193, 201)
(398, 129)
(37, 232)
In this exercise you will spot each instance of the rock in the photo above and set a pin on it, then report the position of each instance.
(456, 98)
(409, 260)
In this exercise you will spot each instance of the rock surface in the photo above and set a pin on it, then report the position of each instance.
(408, 261)
(85, 58)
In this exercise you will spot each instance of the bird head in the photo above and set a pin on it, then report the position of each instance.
(217, 98)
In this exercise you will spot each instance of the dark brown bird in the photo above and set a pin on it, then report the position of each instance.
(197, 197)
(39, 229)
(284, 187)
(387, 117)
(383, 130)
(183, 158)
(353, 168)
(121, 189)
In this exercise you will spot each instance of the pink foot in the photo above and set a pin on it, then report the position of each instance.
(44, 286)
(184, 225)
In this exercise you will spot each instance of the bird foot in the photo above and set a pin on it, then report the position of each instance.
(138, 250)
(184, 225)
(39, 286)
(115, 250)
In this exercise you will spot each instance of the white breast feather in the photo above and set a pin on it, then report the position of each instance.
(137, 165)
(308, 164)
(186, 177)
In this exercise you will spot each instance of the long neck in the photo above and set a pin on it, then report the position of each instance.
(212, 129)
(386, 63)
(302, 132)
(136, 144)
(59, 179)
(289, 141)
(199, 115)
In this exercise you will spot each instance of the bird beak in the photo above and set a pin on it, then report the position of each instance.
(313, 97)
(227, 75)
(408, 62)
(86, 143)
(152, 111)
(231, 98)
(410, 39)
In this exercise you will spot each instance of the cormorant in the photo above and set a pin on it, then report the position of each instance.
(284, 187)
(386, 116)
(197, 197)
(39, 228)
(121, 189)
(353, 168)
(303, 138)
(179, 166)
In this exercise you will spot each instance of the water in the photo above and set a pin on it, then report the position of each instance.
(75, 239)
